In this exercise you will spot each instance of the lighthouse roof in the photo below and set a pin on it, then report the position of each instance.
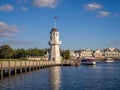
(54, 30)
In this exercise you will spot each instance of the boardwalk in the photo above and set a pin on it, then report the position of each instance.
(8, 68)
(12, 67)
(76, 62)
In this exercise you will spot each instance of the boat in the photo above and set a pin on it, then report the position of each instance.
(88, 61)
(108, 60)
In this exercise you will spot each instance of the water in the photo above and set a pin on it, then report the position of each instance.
(103, 76)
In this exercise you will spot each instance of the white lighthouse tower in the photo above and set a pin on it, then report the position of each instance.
(54, 42)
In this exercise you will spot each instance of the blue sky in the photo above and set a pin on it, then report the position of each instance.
(82, 23)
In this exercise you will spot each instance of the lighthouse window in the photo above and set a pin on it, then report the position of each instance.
(53, 34)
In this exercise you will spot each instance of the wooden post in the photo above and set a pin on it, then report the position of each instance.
(25, 67)
(20, 66)
(48, 63)
(29, 66)
(33, 65)
(42, 64)
(1, 73)
(39, 64)
(9, 70)
(15, 72)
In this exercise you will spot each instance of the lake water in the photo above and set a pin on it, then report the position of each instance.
(103, 76)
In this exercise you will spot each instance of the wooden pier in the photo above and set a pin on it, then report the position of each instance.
(8, 68)
(76, 62)
(13, 67)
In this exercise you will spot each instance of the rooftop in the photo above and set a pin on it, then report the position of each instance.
(54, 30)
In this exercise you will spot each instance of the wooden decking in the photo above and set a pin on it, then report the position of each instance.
(76, 62)
(13, 67)
(8, 68)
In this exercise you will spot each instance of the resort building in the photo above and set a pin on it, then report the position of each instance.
(112, 53)
(86, 53)
(98, 54)
(74, 54)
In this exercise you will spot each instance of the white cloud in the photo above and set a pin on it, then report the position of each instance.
(7, 30)
(23, 8)
(103, 14)
(5, 35)
(6, 7)
(45, 3)
(93, 6)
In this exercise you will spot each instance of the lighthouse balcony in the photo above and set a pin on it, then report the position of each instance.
(54, 42)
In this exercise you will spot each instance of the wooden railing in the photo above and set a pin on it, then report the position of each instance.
(22, 66)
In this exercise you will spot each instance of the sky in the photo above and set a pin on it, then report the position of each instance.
(93, 24)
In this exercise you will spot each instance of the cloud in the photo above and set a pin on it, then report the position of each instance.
(45, 3)
(7, 30)
(103, 14)
(6, 8)
(5, 35)
(93, 6)
(23, 8)
(17, 42)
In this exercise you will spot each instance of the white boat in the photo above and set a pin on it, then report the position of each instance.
(88, 61)
(108, 60)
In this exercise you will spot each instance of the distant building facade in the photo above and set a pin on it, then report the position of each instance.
(74, 54)
(86, 53)
(111, 53)
(98, 54)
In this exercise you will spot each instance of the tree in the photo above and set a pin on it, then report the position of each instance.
(6, 52)
(35, 52)
(20, 53)
(65, 54)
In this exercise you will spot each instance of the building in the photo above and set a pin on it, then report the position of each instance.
(74, 54)
(54, 43)
(86, 53)
(98, 54)
(111, 53)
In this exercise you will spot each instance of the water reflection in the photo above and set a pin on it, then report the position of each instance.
(103, 76)
(55, 78)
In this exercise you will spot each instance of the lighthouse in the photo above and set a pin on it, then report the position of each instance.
(54, 42)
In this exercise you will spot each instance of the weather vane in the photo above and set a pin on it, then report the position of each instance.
(55, 19)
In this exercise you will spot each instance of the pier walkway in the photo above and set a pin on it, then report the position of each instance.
(13, 67)
(8, 68)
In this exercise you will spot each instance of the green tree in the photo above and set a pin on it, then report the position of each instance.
(65, 54)
(20, 53)
(6, 52)
(35, 52)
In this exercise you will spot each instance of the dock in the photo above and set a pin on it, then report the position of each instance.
(13, 67)
(76, 62)
(8, 68)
